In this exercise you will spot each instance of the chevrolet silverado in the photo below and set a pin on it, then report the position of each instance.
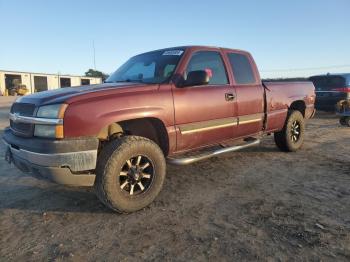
(177, 105)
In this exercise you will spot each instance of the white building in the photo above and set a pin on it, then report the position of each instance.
(36, 82)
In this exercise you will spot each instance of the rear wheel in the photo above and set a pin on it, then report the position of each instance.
(130, 173)
(291, 137)
(345, 121)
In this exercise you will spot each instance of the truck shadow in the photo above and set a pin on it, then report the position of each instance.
(50, 198)
(260, 149)
(42, 196)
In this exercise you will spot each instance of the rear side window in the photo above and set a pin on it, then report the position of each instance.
(327, 83)
(211, 62)
(242, 69)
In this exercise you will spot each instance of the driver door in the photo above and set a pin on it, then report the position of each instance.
(205, 114)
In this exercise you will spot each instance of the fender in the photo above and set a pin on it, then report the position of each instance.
(89, 117)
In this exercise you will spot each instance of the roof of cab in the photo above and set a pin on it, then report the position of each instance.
(199, 46)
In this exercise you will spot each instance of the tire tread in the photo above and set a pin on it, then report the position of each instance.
(282, 138)
(106, 162)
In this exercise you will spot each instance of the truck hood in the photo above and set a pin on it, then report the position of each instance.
(73, 94)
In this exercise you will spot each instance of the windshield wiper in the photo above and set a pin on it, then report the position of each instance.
(129, 81)
(132, 81)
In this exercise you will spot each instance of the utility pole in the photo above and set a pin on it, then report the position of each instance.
(94, 55)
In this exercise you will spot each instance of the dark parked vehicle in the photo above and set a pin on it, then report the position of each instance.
(330, 89)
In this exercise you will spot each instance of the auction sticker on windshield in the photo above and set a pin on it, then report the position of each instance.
(173, 52)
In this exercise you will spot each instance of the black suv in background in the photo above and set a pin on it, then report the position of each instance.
(330, 89)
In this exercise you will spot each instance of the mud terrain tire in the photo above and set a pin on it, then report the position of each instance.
(291, 137)
(119, 172)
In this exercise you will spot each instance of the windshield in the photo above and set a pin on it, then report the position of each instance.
(153, 68)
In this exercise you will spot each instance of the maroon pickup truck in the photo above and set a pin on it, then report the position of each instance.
(177, 105)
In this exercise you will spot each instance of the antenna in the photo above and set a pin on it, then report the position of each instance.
(94, 55)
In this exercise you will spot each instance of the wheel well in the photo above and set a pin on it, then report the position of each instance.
(299, 106)
(151, 128)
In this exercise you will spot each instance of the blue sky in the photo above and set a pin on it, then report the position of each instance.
(56, 36)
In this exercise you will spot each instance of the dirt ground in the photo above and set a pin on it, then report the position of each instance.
(258, 204)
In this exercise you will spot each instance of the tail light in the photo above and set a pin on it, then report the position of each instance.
(342, 89)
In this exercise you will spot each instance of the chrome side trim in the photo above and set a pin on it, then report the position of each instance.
(208, 125)
(76, 161)
(190, 160)
(219, 123)
(34, 120)
(247, 119)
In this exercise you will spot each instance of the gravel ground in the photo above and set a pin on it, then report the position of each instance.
(257, 204)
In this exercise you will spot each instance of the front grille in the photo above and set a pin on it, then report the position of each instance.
(23, 109)
(22, 129)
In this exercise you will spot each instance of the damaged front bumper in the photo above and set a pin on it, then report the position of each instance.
(66, 161)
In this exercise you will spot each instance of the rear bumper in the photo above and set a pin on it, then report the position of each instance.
(69, 162)
(329, 105)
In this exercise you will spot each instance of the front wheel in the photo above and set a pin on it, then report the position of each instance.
(130, 173)
(291, 137)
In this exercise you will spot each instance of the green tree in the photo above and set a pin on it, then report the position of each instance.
(96, 73)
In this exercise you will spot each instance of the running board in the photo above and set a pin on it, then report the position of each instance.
(193, 159)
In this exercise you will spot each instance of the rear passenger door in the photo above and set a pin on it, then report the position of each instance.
(250, 94)
(203, 114)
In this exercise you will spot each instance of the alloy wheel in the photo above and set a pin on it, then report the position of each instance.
(136, 175)
(295, 131)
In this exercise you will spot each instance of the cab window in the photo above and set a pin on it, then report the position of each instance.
(211, 62)
(242, 69)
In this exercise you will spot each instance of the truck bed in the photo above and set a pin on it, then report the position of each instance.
(279, 95)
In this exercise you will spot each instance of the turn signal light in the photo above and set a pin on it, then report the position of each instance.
(59, 131)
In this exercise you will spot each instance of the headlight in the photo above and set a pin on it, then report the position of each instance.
(51, 112)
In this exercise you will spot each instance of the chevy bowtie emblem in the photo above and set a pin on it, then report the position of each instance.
(14, 117)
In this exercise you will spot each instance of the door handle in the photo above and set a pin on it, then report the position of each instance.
(229, 96)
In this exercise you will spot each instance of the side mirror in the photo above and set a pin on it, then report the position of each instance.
(197, 78)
